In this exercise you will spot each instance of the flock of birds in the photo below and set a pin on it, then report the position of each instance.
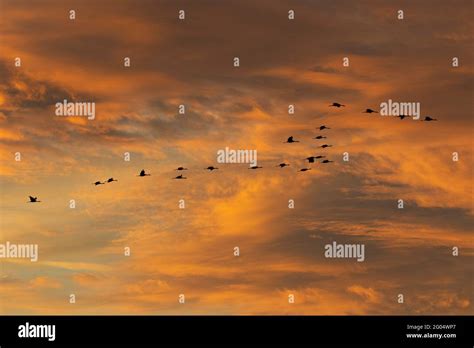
(290, 140)
(370, 111)
(310, 159)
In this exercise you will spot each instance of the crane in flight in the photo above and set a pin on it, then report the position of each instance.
(369, 111)
(142, 173)
(291, 140)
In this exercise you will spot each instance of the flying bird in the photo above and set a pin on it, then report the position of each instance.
(323, 127)
(369, 111)
(428, 118)
(320, 137)
(326, 161)
(180, 177)
(311, 159)
(181, 168)
(281, 165)
(142, 173)
(98, 183)
(255, 167)
(33, 200)
(319, 156)
(304, 169)
(211, 168)
(111, 179)
(290, 140)
(325, 145)
(401, 117)
(337, 105)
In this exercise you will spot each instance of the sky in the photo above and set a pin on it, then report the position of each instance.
(190, 251)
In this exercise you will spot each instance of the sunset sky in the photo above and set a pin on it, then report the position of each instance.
(190, 251)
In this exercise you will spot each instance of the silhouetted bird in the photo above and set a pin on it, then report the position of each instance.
(111, 179)
(211, 168)
(281, 165)
(311, 159)
(304, 169)
(142, 173)
(323, 127)
(325, 145)
(180, 177)
(337, 105)
(369, 111)
(320, 157)
(428, 118)
(255, 167)
(401, 117)
(326, 161)
(290, 140)
(181, 168)
(98, 183)
(33, 200)
(320, 137)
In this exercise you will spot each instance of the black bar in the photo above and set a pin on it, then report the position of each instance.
(287, 330)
